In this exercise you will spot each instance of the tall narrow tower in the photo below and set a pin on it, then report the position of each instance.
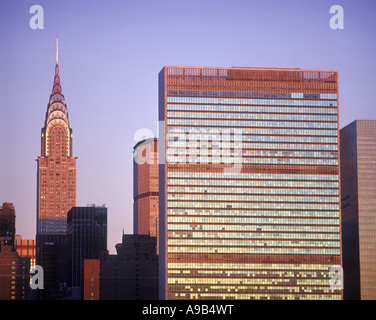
(358, 193)
(56, 165)
(56, 191)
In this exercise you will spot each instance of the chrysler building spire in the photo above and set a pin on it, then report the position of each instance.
(57, 87)
(57, 50)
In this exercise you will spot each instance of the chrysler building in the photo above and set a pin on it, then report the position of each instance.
(56, 164)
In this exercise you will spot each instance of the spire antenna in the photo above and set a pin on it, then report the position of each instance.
(57, 86)
(57, 50)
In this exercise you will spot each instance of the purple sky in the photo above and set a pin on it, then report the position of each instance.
(110, 53)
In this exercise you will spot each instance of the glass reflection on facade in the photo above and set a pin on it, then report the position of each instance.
(145, 187)
(249, 183)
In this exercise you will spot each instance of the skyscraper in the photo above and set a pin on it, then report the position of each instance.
(248, 183)
(132, 273)
(358, 193)
(145, 187)
(56, 165)
(86, 239)
(56, 189)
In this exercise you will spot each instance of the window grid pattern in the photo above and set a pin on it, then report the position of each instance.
(216, 224)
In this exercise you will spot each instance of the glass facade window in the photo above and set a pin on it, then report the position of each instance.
(254, 102)
(259, 109)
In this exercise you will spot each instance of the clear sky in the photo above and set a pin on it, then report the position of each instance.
(110, 53)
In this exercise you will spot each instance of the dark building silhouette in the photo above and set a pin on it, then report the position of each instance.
(52, 256)
(86, 239)
(358, 202)
(8, 224)
(17, 257)
(132, 273)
